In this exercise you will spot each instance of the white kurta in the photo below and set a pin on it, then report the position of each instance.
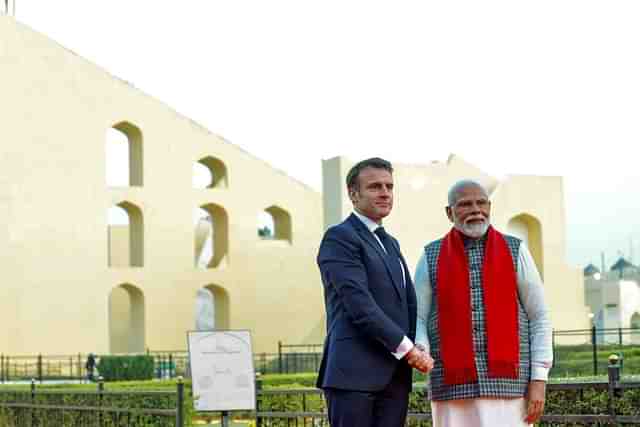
(479, 413)
(488, 412)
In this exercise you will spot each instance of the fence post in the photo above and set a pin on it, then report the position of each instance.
(40, 368)
(100, 395)
(620, 336)
(258, 388)
(553, 344)
(171, 365)
(33, 401)
(157, 365)
(180, 408)
(79, 367)
(594, 346)
(2, 368)
(614, 384)
(279, 357)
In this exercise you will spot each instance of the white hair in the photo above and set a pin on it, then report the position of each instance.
(456, 188)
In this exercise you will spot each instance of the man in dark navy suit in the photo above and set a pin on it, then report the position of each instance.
(371, 310)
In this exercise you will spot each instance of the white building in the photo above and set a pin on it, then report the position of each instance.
(614, 300)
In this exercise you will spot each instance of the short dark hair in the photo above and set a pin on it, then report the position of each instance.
(374, 162)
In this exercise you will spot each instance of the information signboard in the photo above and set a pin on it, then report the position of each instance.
(222, 370)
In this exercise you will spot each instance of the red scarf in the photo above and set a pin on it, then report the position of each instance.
(454, 310)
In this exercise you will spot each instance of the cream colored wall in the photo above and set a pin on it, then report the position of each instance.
(419, 217)
(118, 246)
(56, 108)
(543, 199)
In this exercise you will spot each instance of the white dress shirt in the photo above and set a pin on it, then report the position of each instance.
(405, 345)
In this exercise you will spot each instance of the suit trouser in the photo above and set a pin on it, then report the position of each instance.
(384, 408)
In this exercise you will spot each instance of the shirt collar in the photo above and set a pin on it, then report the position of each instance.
(368, 222)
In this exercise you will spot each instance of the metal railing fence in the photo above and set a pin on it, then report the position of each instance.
(585, 351)
(576, 352)
(312, 411)
(95, 408)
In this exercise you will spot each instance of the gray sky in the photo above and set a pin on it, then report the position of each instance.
(544, 88)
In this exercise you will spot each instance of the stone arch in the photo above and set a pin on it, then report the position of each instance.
(124, 163)
(210, 172)
(125, 238)
(635, 325)
(281, 224)
(212, 308)
(211, 237)
(266, 225)
(528, 228)
(126, 319)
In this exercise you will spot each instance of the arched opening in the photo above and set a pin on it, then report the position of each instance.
(528, 228)
(118, 237)
(274, 224)
(211, 236)
(212, 308)
(124, 155)
(126, 320)
(209, 172)
(635, 328)
(125, 235)
(266, 225)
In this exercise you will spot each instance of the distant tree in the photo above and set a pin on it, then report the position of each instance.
(265, 232)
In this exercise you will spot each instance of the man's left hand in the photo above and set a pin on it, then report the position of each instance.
(535, 401)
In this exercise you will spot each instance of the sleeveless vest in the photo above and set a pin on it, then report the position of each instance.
(485, 387)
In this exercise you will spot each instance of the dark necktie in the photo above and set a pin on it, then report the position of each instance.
(392, 255)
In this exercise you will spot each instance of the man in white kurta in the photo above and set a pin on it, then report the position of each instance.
(506, 388)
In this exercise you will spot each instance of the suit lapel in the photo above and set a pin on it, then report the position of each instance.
(368, 237)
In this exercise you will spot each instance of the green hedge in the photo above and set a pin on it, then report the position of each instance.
(126, 368)
(587, 402)
(139, 400)
(289, 380)
(558, 402)
(576, 361)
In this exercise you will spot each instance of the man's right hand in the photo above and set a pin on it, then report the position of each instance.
(420, 360)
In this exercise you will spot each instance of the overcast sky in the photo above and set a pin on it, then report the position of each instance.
(544, 87)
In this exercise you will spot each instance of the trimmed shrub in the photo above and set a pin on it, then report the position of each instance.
(289, 380)
(126, 368)
(144, 396)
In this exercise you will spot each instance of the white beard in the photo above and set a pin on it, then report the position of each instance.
(475, 230)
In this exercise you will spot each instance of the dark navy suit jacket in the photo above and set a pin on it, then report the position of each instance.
(368, 310)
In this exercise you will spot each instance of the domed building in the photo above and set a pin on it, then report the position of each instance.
(614, 300)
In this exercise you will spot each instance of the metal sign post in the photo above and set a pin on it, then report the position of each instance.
(225, 418)
(223, 375)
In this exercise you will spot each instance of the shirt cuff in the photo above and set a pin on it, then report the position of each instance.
(539, 373)
(405, 347)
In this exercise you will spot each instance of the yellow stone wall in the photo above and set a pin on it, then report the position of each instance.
(61, 296)
(56, 108)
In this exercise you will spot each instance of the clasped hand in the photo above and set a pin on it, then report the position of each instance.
(420, 359)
